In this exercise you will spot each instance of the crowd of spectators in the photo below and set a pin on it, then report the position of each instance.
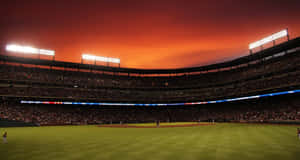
(18, 80)
(92, 79)
(123, 95)
(276, 73)
(75, 115)
(273, 109)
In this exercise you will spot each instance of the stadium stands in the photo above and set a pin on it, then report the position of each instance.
(273, 110)
(273, 69)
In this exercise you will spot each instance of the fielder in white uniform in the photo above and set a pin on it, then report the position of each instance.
(5, 137)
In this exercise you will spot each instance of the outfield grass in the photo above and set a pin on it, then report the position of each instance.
(221, 141)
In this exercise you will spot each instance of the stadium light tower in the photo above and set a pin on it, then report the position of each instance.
(29, 50)
(99, 58)
(271, 38)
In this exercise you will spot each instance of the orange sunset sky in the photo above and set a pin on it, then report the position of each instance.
(146, 34)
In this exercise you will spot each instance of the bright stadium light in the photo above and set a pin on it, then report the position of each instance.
(99, 58)
(271, 38)
(29, 50)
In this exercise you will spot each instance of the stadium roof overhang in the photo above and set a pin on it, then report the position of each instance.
(242, 60)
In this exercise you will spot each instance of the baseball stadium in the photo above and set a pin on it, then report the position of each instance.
(246, 107)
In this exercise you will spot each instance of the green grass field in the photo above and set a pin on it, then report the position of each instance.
(164, 124)
(221, 141)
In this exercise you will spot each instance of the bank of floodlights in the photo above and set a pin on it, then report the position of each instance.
(272, 38)
(99, 58)
(29, 50)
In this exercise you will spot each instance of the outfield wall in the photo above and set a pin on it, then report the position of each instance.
(11, 123)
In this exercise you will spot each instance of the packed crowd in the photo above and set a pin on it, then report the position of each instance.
(124, 95)
(273, 74)
(272, 109)
(95, 79)
(67, 115)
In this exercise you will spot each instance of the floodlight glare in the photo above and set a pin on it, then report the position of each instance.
(271, 38)
(29, 50)
(99, 58)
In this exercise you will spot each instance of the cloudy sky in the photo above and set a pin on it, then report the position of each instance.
(146, 34)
